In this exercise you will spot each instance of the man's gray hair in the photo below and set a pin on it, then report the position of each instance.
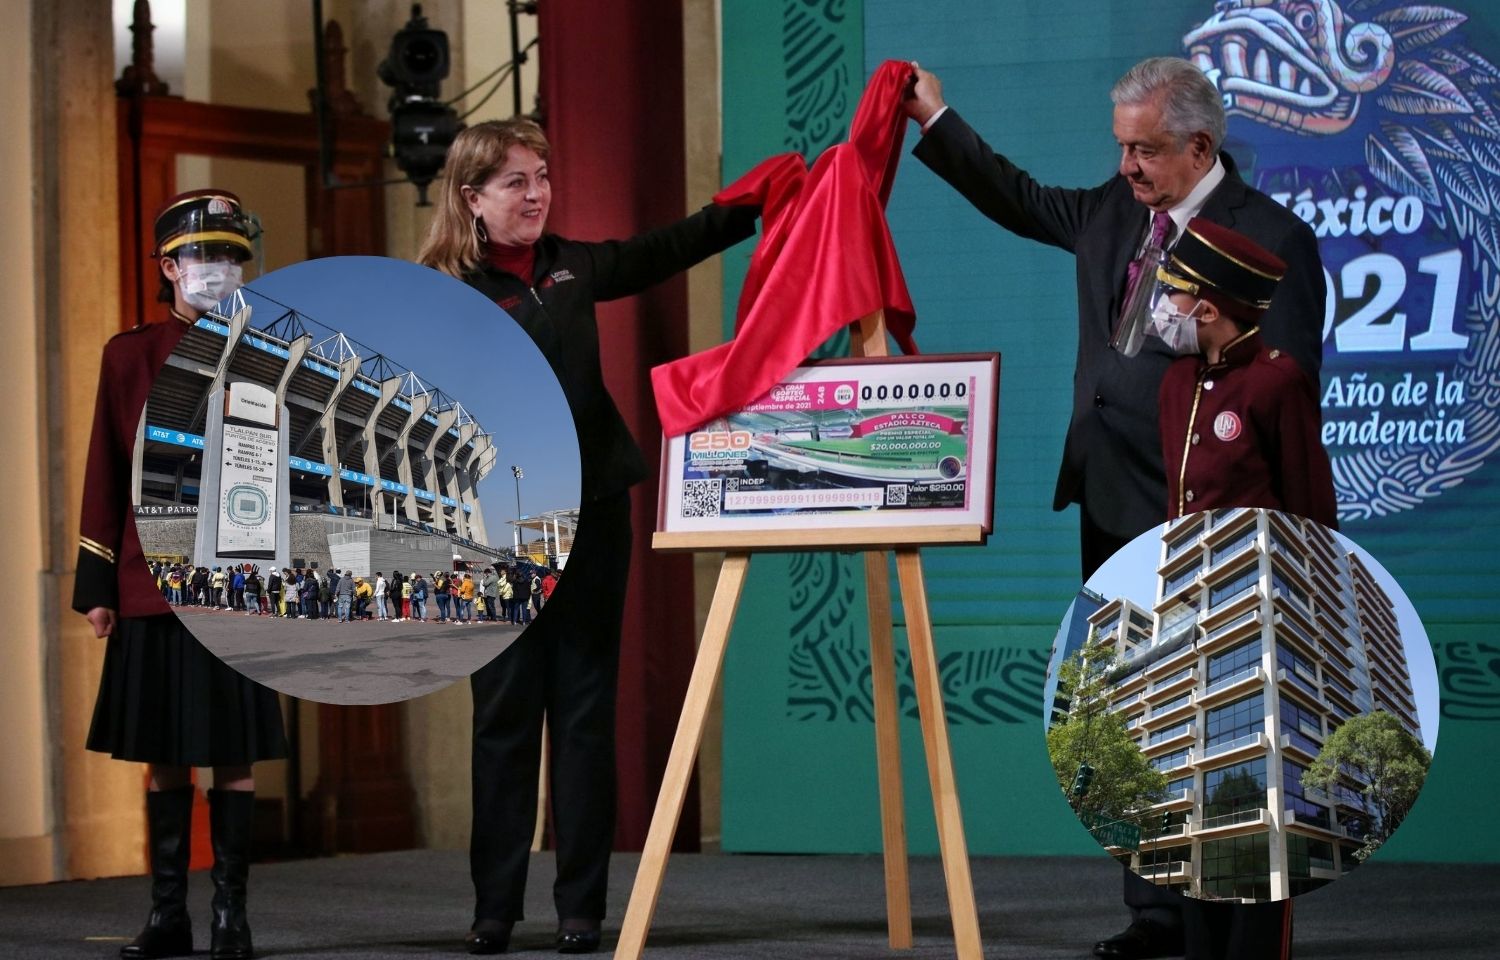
(1190, 102)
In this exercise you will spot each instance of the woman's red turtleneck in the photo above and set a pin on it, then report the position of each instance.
(520, 261)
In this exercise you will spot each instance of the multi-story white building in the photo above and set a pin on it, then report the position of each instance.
(1266, 635)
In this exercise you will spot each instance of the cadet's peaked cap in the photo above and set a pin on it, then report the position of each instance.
(1213, 258)
(203, 217)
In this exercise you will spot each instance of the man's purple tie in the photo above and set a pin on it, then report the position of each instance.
(1136, 273)
(1161, 222)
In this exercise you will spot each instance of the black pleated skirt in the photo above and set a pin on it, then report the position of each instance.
(164, 698)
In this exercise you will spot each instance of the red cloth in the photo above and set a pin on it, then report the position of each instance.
(519, 261)
(825, 259)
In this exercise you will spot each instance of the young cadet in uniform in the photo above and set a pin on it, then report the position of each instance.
(163, 698)
(1240, 424)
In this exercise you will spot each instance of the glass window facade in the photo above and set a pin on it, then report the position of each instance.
(1236, 586)
(1173, 703)
(1167, 761)
(1234, 546)
(1287, 589)
(1177, 580)
(1291, 661)
(1231, 789)
(1237, 867)
(1280, 546)
(1235, 720)
(1306, 810)
(1302, 854)
(1331, 680)
(1179, 545)
(1168, 733)
(1234, 660)
(1295, 718)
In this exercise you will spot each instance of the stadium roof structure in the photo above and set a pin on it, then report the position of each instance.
(366, 434)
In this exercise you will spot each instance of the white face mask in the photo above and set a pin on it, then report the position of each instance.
(204, 284)
(1178, 330)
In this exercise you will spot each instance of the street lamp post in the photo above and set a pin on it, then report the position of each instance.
(518, 474)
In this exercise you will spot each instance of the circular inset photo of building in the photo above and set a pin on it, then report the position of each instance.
(1242, 705)
(357, 480)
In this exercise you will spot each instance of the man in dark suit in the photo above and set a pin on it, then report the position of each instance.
(1170, 124)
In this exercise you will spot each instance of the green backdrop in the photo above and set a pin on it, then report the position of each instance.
(799, 770)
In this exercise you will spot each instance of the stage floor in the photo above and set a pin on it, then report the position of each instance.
(719, 907)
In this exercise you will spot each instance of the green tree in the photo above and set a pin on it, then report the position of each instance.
(1389, 762)
(1123, 783)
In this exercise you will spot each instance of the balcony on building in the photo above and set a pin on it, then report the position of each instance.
(1226, 688)
(1168, 686)
(1292, 608)
(1232, 824)
(1230, 609)
(1179, 589)
(1301, 638)
(1232, 541)
(1330, 619)
(1178, 708)
(1177, 530)
(1320, 826)
(1297, 680)
(1226, 632)
(1337, 651)
(1176, 832)
(1333, 693)
(1291, 567)
(1240, 748)
(1171, 738)
(1299, 744)
(1179, 553)
(1179, 799)
(1180, 632)
(1173, 871)
(1130, 701)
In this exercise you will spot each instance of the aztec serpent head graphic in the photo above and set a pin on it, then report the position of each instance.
(1403, 78)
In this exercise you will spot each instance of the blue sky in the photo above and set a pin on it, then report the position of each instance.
(457, 341)
(1132, 573)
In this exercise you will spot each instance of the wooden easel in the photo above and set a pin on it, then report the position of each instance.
(870, 342)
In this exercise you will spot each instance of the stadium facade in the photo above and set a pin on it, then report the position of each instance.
(382, 464)
(1267, 635)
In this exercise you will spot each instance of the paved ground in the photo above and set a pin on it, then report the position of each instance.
(366, 661)
(721, 907)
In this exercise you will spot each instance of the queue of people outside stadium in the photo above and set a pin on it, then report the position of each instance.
(503, 593)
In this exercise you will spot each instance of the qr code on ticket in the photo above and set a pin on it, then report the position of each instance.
(895, 494)
(700, 498)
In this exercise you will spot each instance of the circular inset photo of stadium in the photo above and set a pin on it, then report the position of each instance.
(1242, 705)
(357, 480)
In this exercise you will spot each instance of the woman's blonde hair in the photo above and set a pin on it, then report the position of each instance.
(452, 244)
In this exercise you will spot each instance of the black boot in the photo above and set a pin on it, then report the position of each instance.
(230, 819)
(168, 932)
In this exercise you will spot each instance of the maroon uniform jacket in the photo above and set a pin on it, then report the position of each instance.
(1244, 432)
(112, 570)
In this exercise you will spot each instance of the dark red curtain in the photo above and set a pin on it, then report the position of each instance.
(612, 92)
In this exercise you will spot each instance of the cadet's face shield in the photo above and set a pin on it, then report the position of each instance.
(215, 252)
(1178, 330)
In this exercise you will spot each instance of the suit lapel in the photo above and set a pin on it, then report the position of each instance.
(1224, 203)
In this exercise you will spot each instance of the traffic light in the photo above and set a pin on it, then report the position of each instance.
(1082, 779)
(1166, 820)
